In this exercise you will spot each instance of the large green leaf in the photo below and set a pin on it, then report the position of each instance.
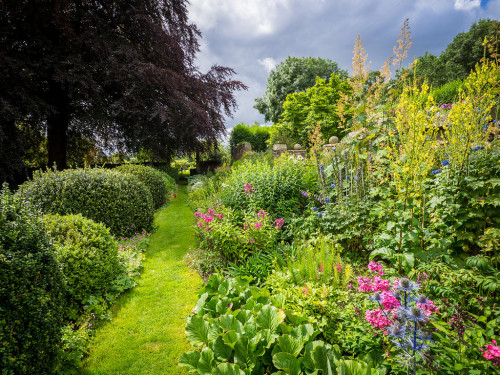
(289, 344)
(228, 369)
(190, 360)
(222, 306)
(206, 363)
(230, 323)
(243, 354)
(230, 338)
(303, 333)
(224, 288)
(269, 317)
(287, 362)
(222, 351)
(197, 331)
(201, 303)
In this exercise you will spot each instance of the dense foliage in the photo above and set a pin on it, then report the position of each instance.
(293, 75)
(316, 105)
(413, 192)
(31, 291)
(151, 178)
(87, 253)
(274, 188)
(255, 134)
(119, 201)
(461, 55)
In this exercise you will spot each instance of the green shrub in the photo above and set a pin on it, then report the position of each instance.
(448, 93)
(119, 201)
(150, 177)
(169, 170)
(275, 189)
(31, 291)
(255, 134)
(87, 253)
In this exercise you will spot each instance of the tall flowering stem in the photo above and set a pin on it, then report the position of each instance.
(401, 313)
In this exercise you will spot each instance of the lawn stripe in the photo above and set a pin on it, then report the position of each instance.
(146, 335)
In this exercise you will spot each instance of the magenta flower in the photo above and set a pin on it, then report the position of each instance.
(258, 224)
(279, 223)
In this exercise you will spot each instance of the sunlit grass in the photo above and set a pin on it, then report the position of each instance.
(146, 335)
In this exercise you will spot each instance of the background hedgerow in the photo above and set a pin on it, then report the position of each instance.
(31, 291)
(119, 201)
(150, 177)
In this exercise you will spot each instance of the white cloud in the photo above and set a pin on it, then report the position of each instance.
(268, 63)
(243, 17)
(467, 4)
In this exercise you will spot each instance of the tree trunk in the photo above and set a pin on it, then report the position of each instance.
(57, 125)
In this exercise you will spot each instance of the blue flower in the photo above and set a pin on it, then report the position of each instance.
(445, 162)
(407, 285)
(376, 297)
(327, 200)
(397, 330)
(320, 214)
(415, 313)
(355, 177)
(347, 177)
(347, 203)
(332, 186)
(436, 171)
(315, 208)
(478, 148)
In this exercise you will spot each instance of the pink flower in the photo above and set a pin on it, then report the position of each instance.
(258, 224)
(279, 223)
(375, 266)
(252, 240)
(220, 216)
(379, 284)
(200, 225)
(248, 188)
(261, 214)
(211, 212)
(338, 266)
(389, 301)
(365, 284)
(428, 308)
(377, 318)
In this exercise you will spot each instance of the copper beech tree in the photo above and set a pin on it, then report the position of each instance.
(118, 71)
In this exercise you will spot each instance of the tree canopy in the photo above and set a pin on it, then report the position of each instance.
(121, 72)
(293, 75)
(315, 106)
(460, 56)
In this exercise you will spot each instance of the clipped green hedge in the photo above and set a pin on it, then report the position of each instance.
(31, 291)
(118, 200)
(87, 253)
(150, 177)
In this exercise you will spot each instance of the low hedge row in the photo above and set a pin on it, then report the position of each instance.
(87, 253)
(118, 200)
(150, 177)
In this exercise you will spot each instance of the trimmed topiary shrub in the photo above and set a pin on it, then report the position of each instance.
(118, 200)
(151, 178)
(87, 253)
(31, 291)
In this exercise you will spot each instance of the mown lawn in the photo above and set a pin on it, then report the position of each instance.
(146, 335)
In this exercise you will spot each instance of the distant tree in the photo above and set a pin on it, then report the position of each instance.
(121, 71)
(315, 106)
(293, 75)
(459, 57)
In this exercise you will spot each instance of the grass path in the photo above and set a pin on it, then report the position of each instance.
(146, 335)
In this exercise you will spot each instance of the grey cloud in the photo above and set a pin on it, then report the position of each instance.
(241, 33)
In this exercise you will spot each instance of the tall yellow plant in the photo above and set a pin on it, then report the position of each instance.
(467, 128)
(412, 157)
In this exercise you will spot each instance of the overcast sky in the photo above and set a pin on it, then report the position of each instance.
(252, 36)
